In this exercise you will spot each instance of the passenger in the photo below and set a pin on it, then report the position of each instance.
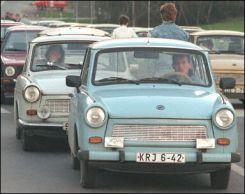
(55, 54)
(168, 28)
(208, 44)
(123, 31)
(183, 65)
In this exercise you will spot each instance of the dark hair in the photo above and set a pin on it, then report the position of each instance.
(168, 12)
(123, 19)
(58, 48)
(176, 58)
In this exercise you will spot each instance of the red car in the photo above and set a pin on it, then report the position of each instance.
(13, 54)
(41, 5)
(6, 24)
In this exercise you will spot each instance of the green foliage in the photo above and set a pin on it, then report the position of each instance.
(236, 24)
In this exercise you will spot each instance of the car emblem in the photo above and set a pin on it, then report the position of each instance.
(160, 107)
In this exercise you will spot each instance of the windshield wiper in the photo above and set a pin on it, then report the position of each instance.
(118, 79)
(51, 66)
(161, 80)
(14, 49)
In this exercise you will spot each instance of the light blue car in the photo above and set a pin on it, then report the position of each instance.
(150, 105)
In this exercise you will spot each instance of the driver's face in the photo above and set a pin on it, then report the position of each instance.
(55, 56)
(182, 65)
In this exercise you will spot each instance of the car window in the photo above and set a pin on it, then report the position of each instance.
(18, 40)
(222, 44)
(154, 66)
(60, 56)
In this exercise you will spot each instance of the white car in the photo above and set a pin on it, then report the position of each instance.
(41, 97)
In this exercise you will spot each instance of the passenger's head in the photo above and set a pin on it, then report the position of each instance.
(168, 12)
(182, 63)
(55, 53)
(123, 20)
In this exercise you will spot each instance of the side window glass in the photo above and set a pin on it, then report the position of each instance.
(86, 67)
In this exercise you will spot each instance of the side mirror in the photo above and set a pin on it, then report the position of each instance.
(73, 81)
(227, 83)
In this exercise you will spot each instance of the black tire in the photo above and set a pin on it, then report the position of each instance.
(27, 141)
(18, 132)
(18, 129)
(220, 179)
(75, 162)
(88, 175)
(3, 99)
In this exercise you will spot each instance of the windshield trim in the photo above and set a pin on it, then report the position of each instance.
(152, 48)
(55, 42)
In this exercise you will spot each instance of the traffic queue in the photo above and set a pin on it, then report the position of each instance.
(129, 104)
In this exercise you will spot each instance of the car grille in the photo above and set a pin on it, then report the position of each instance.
(58, 105)
(159, 133)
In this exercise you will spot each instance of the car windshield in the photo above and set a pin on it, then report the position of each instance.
(62, 56)
(147, 65)
(18, 40)
(222, 44)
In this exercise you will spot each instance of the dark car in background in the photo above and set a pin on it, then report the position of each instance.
(13, 53)
(5, 24)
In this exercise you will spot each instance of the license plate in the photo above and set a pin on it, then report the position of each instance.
(157, 157)
(234, 90)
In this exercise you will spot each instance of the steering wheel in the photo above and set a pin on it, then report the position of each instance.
(178, 77)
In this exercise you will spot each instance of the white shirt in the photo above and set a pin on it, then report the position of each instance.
(123, 32)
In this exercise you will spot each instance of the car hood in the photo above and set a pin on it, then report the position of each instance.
(143, 103)
(227, 62)
(10, 58)
(53, 82)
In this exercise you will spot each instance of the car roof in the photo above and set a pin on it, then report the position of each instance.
(145, 42)
(27, 28)
(218, 32)
(103, 25)
(192, 27)
(69, 38)
(73, 31)
(141, 29)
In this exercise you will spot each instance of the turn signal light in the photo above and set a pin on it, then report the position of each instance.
(31, 112)
(95, 140)
(223, 141)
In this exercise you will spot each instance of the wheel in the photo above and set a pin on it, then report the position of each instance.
(88, 175)
(75, 162)
(27, 141)
(220, 179)
(3, 100)
(18, 132)
(18, 129)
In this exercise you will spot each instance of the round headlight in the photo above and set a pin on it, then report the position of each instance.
(43, 112)
(9, 71)
(31, 94)
(224, 118)
(95, 117)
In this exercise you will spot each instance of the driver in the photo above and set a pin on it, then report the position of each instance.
(55, 54)
(183, 65)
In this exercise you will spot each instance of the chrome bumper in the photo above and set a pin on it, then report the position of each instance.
(21, 122)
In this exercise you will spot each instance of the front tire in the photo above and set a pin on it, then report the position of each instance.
(75, 162)
(220, 179)
(27, 141)
(88, 175)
